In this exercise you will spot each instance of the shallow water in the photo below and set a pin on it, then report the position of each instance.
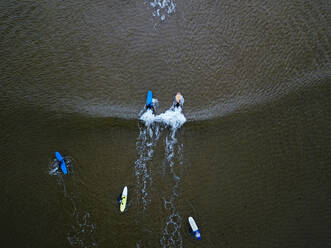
(248, 157)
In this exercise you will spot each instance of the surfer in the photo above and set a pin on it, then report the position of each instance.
(149, 102)
(150, 106)
(62, 163)
(191, 231)
(178, 101)
(119, 198)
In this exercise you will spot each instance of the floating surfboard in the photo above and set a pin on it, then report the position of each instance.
(194, 227)
(62, 163)
(149, 99)
(124, 199)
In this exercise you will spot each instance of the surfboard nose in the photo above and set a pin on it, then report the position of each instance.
(58, 156)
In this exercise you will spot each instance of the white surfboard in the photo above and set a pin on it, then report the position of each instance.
(124, 199)
(194, 227)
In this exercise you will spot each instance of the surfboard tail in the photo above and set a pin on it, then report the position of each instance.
(64, 168)
(197, 235)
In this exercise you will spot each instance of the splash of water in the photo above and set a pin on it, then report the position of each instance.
(82, 234)
(82, 229)
(148, 137)
(149, 134)
(146, 141)
(171, 236)
(163, 8)
(173, 117)
(53, 168)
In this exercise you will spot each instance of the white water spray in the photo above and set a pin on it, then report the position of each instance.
(162, 8)
(171, 236)
(82, 229)
(149, 135)
(146, 142)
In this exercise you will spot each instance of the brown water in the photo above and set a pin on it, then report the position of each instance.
(251, 164)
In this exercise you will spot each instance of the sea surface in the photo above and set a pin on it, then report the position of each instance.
(248, 156)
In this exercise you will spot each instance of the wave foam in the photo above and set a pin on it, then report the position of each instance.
(162, 8)
(173, 117)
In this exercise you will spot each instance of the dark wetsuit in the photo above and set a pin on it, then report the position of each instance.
(150, 106)
(176, 104)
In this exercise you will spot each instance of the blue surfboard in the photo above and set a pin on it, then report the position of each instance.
(149, 99)
(64, 168)
(63, 164)
(58, 156)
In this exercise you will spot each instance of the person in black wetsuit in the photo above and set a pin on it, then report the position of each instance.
(151, 107)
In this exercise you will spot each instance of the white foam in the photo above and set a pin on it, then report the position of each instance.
(163, 8)
(146, 141)
(53, 167)
(171, 236)
(148, 137)
(173, 117)
(148, 117)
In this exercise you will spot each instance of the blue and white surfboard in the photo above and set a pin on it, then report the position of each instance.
(194, 227)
